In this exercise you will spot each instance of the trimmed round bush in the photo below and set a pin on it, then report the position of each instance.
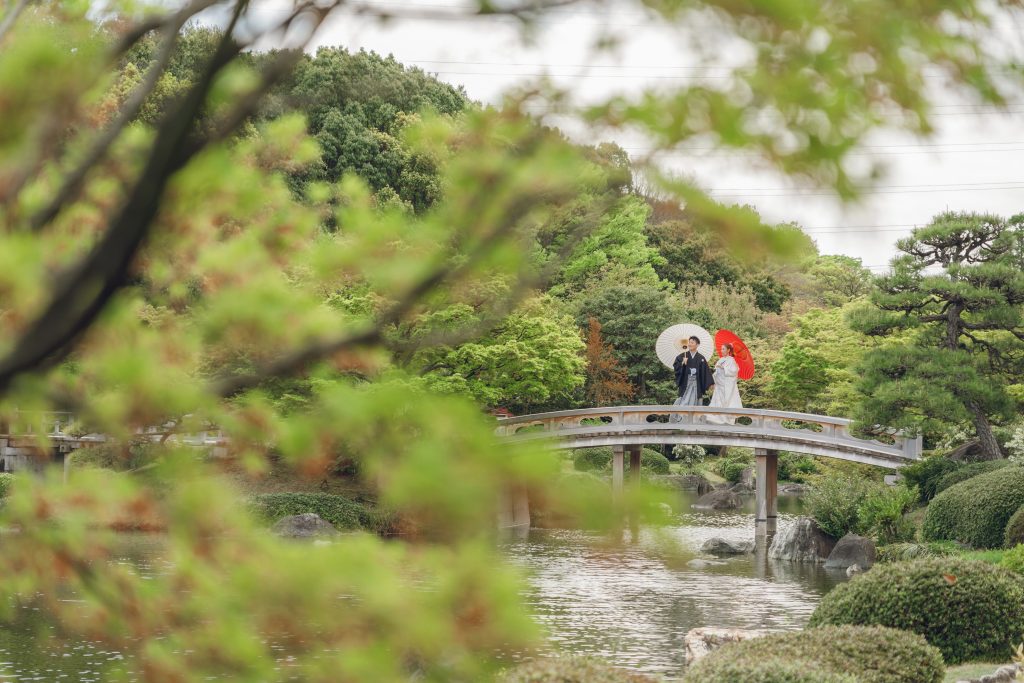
(653, 461)
(833, 654)
(570, 670)
(976, 511)
(592, 459)
(338, 510)
(969, 471)
(926, 473)
(1013, 535)
(599, 459)
(969, 609)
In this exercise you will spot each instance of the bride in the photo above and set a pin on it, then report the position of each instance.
(726, 393)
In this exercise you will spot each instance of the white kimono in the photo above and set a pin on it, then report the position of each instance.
(726, 394)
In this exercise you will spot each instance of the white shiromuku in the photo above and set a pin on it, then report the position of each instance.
(727, 393)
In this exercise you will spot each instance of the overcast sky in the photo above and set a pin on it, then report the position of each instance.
(974, 162)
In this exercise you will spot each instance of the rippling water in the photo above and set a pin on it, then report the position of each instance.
(631, 603)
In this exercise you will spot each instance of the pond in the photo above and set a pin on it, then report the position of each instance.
(631, 604)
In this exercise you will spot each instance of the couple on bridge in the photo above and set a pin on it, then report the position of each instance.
(694, 378)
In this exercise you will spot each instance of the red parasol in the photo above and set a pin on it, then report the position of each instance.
(740, 352)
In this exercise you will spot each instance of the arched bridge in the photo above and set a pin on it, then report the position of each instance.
(627, 428)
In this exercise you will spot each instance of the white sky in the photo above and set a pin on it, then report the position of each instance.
(974, 162)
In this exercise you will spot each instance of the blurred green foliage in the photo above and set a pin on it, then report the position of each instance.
(283, 245)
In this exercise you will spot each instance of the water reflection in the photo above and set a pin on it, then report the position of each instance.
(631, 604)
(630, 601)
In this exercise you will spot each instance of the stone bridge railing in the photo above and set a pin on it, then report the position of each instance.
(746, 427)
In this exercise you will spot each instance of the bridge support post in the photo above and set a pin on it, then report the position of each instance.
(634, 463)
(618, 453)
(767, 473)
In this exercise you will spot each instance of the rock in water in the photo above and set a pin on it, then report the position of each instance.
(719, 499)
(853, 570)
(704, 564)
(801, 541)
(701, 641)
(720, 546)
(307, 525)
(852, 550)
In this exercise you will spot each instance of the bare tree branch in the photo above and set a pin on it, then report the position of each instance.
(82, 294)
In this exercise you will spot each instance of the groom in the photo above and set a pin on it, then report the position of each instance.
(693, 377)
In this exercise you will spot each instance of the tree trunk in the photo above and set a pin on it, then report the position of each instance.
(986, 438)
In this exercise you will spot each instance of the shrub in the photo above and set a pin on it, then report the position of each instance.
(796, 467)
(902, 552)
(690, 457)
(976, 511)
(968, 609)
(653, 461)
(115, 456)
(834, 503)
(1013, 559)
(570, 670)
(880, 514)
(338, 510)
(6, 480)
(731, 465)
(592, 459)
(1013, 535)
(824, 655)
(599, 459)
(926, 473)
(969, 471)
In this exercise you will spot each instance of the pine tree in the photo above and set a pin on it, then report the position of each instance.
(958, 284)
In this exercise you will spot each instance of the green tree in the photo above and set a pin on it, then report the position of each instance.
(632, 315)
(957, 286)
(815, 371)
(535, 356)
(839, 280)
(619, 242)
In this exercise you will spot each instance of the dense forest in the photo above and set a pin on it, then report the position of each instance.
(584, 334)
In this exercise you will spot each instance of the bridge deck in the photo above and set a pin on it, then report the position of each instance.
(763, 429)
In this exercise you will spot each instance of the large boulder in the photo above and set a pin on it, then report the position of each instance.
(852, 550)
(719, 499)
(801, 541)
(719, 546)
(307, 525)
(699, 642)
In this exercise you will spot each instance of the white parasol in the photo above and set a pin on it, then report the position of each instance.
(672, 342)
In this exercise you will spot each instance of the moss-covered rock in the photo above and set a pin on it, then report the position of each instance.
(836, 654)
(970, 610)
(343, 513)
